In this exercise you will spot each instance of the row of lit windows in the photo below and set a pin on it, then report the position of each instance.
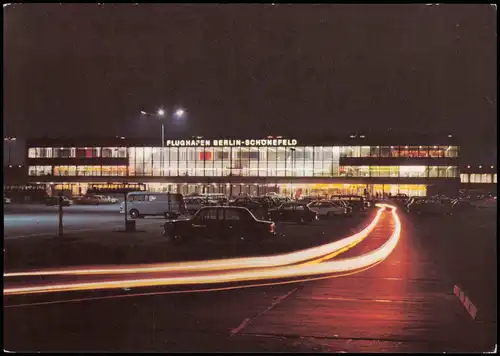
(307, 170)
(258, 189)
(399, 151)
(478, 178)
(80, 171)
(244, 153)
(80, 152)
(39, 170)
(400, 171)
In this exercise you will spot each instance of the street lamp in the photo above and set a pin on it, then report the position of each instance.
(160, 113)
(9, 141)
(292, 150)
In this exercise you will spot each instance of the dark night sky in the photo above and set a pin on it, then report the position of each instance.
(255, 69)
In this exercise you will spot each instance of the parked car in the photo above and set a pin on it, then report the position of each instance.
(400, 196)
(347, 206)
(267, 202)
(431, 207)
(309, 198)
(104, 199)
(216, 201)
(328, 209)
(222, 223)
(411, 201)
(486, 202)
(246, 202)
(212, 199)
(110, 199)
(356, 202)
(52, 201)
(293, 211)
(282, 200)
(462, 205)
(141, 204)
(89, 199)
(193, 204)
(369, 203)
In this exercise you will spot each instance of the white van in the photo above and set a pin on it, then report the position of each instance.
(140, 204)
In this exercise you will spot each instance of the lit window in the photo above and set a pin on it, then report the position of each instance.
(475, 178)
(61, 170)
(122, 152)
(464, 178)
(412, 171)
(41, 171)
(451, 151)
(485, 178)
(48, 153)
(436, 151)
(423, 151)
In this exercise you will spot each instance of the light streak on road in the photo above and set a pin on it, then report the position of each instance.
(282, 272)
(223, 264)
(186, 291)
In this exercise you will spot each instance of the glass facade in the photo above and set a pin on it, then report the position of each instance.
(296, 161)
(95, 171)
(478, 177)
(39, 170)
(78, 152)
(398, 151)
(325, 190)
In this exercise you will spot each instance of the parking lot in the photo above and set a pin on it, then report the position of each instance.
(94, 237)
(30, 220)
(412, 289)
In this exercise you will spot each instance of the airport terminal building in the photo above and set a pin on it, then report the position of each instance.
(344, 165)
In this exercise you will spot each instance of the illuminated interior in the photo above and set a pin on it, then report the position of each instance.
(263, 161)
(292, 190)
(217, 153)
(478, 177)
(256, 161)
(308, 171)
(90, 171)
(82, 188)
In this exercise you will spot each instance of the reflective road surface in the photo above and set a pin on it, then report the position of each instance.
(400, 302)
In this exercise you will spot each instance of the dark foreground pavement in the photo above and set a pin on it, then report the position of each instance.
(404, 304)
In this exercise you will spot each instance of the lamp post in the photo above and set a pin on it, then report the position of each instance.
(159, 115)
(9, 141)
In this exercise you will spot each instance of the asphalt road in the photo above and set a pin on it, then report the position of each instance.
(90, 243)
(30, 220)
(404, 304)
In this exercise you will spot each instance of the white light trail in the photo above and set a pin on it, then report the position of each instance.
(223, 264)
(282, 272)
